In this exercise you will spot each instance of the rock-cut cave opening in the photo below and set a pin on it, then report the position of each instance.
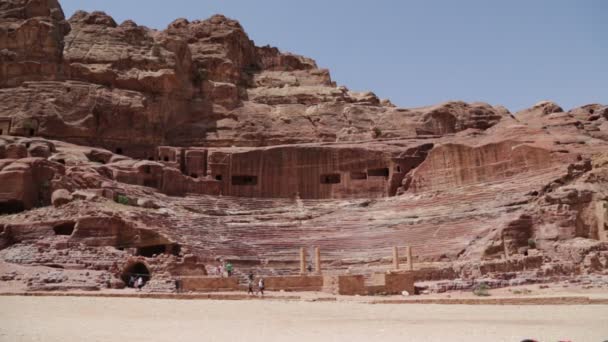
(64, 228)
(11, 207)
(135, 270)
(151, 251)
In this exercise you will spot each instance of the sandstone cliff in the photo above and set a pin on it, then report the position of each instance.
(126, 87)
(124, 148)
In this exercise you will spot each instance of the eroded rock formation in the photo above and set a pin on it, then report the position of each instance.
(126, 150)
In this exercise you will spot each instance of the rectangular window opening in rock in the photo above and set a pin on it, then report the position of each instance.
(151, 183)
(244, 180)
(383, 172)
(5, 126)
(358, 175)
(150, 251)
(11, 207)
(334, 178)
(64, 228)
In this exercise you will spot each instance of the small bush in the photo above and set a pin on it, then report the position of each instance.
(124, 200)
(531, 243)
(481, 290)
(376, 132)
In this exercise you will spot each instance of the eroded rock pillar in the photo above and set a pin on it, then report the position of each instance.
(318, 260)
(396, 257)
(410, 262)
(302, 260)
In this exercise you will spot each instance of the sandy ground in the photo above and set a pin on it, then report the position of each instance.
(132, 319)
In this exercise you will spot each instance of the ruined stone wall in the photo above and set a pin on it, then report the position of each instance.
(351, 285)
(208, 284)
(111, 231)
(396, 283)
(294, 283)
(310, 172)
(26, 183)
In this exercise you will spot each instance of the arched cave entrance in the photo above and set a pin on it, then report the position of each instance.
(135, 270)
(64, 228)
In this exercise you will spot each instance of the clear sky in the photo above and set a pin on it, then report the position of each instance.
(513, 53)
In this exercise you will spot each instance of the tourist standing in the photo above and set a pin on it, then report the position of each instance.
(140, 283)
(261, 286)
(250, 286)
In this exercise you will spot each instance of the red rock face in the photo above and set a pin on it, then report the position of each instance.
(31, 41)
(201, 83)
(453, 165)
(173, 149)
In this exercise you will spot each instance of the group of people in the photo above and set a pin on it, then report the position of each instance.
(136, 282)
(250, 285)
(225, 269)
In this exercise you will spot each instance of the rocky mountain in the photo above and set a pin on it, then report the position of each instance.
(124, 145)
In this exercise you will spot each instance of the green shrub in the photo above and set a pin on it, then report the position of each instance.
(481, 290)
(124, 200)
(531, 243)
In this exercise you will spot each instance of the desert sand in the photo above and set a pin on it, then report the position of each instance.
(132, 319)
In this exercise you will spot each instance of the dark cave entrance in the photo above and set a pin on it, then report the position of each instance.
(151, 251)
(64, 228)
(134, 271)
(383, 172)
(334, 178)
(11, 207)
(244, 180)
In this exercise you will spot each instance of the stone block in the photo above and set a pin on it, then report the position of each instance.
(395, 283)
(208, 284)
(294, 283)
(351, 285)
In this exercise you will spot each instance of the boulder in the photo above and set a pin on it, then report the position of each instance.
(147, 203)
(61, 197)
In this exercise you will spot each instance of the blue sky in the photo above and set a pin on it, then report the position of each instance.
(512, 53)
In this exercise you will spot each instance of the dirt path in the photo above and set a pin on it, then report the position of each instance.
(129, 319)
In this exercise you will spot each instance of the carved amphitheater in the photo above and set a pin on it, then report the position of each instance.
(126, 150)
